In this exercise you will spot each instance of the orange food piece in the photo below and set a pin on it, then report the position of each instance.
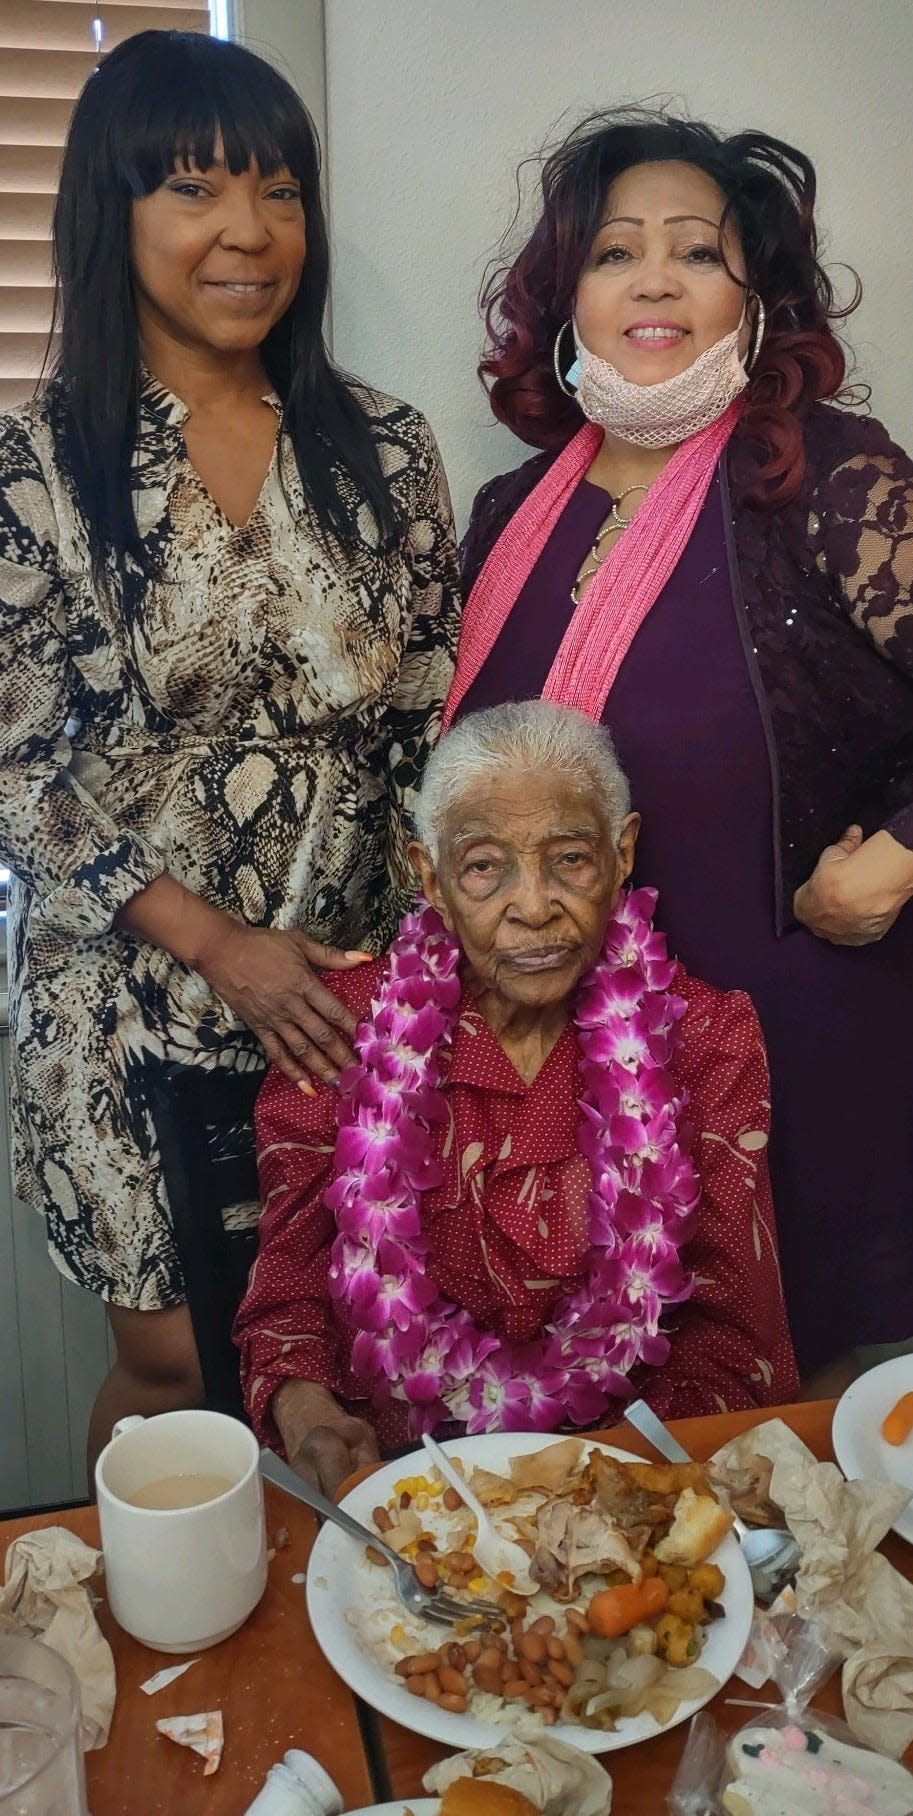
(615, 1611)
(899, 1422)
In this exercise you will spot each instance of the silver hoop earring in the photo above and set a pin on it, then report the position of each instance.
(757, 336)
(556, 359)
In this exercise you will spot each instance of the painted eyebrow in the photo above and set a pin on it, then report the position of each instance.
(283, 175)
(670, 220)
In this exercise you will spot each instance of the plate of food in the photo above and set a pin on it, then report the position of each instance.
(642, 1612)
(421, 1806)
(873, 1430)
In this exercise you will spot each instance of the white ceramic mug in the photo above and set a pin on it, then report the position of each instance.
(182, 1578)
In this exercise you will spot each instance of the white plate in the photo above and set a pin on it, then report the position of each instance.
(335, 1593)
(417, 1806)
(859, 1446)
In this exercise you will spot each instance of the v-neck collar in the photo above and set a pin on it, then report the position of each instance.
(474, 1043)
(171, 411)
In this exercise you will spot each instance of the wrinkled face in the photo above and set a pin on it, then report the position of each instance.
(527, 878)
(217, 258)
(654, 292)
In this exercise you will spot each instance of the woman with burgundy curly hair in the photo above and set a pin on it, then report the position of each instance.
(714, 558)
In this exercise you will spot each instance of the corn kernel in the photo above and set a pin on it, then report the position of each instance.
(476, 1584)
(398, 1636)
(421, 1503)
(411, 1485)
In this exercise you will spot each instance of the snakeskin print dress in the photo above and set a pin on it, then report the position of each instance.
(254, 722)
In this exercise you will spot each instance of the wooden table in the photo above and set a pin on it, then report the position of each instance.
(270, 1680)
(642, 1775)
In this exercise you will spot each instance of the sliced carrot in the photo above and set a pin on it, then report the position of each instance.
(899, 1422)
(616, 1611)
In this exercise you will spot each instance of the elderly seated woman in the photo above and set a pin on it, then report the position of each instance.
(542, 1188)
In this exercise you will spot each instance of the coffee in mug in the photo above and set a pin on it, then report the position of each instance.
(180, 1503)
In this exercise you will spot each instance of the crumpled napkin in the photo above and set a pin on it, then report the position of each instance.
(863, 1605)
(205, 1734)
(43, 1597)
(558, 1779)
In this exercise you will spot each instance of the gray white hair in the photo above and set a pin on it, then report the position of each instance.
(525, 735)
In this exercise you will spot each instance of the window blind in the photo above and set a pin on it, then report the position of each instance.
(48, 48)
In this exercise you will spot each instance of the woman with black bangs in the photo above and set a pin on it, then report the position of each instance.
(229, 597)
(718, 562)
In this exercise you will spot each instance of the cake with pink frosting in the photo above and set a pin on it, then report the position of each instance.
(796, 1771)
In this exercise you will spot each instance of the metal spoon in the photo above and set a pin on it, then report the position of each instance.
(771, 1552)
(497, 1555)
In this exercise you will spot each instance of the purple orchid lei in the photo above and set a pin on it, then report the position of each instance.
(412, 1343)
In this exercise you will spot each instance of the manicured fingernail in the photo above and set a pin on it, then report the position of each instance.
(304, 1084)
(360, 958)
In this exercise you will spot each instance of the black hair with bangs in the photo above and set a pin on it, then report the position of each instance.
(161, 98)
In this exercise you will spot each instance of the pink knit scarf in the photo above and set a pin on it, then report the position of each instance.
(622, 590)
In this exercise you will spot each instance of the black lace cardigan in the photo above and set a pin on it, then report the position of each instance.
(823, 593)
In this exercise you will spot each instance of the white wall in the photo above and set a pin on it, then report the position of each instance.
(432, 103)
(289, 33)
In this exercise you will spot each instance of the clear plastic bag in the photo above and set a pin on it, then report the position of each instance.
(735, 1775)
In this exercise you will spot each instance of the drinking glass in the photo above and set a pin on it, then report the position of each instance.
(41, 1764)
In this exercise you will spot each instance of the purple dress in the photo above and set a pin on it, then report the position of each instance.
(688, 731)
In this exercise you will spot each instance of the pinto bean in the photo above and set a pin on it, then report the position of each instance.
(419, 1662)
(516, 1689)
(490, 1658)
(456, 1705)
(555, 1647)
(462, 1563)
(545, 1624)
(376, 1557)
(530, 1672)
(577, 1620)
(382, 1519)
(405, 1499)
(542, 1697)
(416, 1683)
(487, 1677)
(532, 1646)
(561, 1671)
(452, 1501)
(454, 1655)
(472, 1650)
(452, 1682)
(573, 1649)
(426, 1570)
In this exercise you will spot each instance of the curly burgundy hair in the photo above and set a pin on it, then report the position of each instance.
(769, 188)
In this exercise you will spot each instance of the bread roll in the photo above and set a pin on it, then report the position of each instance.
(482, 1797)
(699, 1525)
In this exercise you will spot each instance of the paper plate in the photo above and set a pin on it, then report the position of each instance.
(340, 1583)
(859, 1446)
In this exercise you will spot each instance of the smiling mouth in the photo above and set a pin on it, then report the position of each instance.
(666, 335)
(237, 289)
(542, 958)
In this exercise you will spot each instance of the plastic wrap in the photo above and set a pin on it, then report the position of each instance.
(787, 1758)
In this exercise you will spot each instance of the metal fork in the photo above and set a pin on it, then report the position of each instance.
(432, 1604)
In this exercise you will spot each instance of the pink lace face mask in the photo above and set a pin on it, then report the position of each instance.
(660, 416)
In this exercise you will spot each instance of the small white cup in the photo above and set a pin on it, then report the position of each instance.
(182, 1578)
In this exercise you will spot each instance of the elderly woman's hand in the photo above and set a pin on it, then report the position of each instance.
(267, 976)
(857, 889)
(323, 1443)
